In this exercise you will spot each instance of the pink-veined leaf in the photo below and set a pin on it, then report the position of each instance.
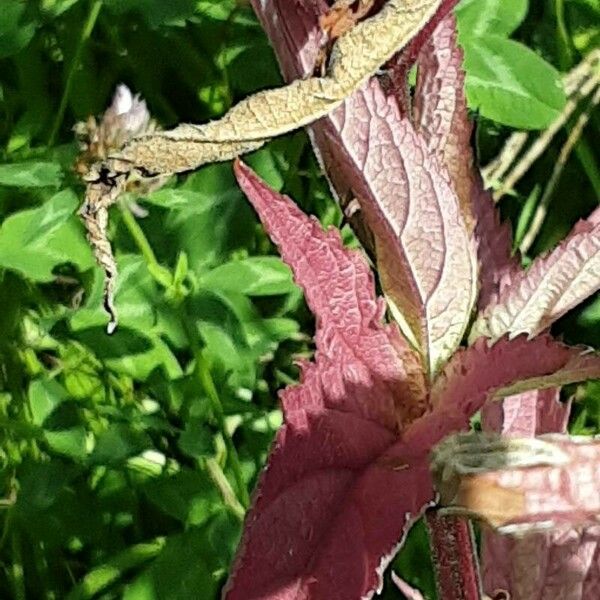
(562, 564)
(348, 472)
(440, 109)
(508, 367)
(353, 346)
(553, 285)
(373, 156)
(326, 511)
(527, 414)
(494, 246)
(293, 28)
(440, 114)
(519, 485)
(425, 255)
(395, 81)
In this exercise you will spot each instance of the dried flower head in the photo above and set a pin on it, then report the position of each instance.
(126, 118)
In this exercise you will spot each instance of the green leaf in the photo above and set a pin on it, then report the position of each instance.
(526, 215)
(118, 444)
(208, 216)
(196, 440)
(55, 8)
(104, 575)
(156, 12)
(499, 17)
(16, 27)
(254, 276)
(30, 174)
(35, 241)
(44, 396)
(509, 83)
(40, 485)
(136, 296)
(179, 573)
(69, 442)
(188, 496)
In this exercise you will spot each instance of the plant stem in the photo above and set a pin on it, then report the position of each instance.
(139, 237)
(202, 368)
(564, 40)
(16, 570)
(103, 576)
(227, 493)
(208, 384)
(454, 557)
(86, 32)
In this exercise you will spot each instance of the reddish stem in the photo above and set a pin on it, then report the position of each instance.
(454, 557)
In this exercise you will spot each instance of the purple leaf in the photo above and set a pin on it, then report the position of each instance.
(354, 348)
(425, 255)
(528, 414)
(440, 111)
(494, 247)
(553, 285)
(517, 485)
(486, 370)
(564, 564)
(348, 472)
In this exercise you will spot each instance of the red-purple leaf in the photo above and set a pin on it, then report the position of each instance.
(440, 109)
(564, 564)
(425, 255)
(486, 370)
(348, 472)
(521, 484)
(333, 501)
(293, 28)
(494, 245)
(528, 414)
(553, 285)
(354, 348)
(372, 155)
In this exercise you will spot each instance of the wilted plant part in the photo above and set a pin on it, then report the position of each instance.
(518, 485)
(125, 118)
(356, 55)
(341, 17)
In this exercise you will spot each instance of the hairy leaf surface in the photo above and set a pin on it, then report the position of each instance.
(519, 485)
(348, 471)
(552, 286)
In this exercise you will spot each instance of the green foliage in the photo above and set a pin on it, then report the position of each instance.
(126, 461)
(506, 81)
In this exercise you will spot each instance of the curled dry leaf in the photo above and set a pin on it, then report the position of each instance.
(518, 485)
(125, 118)
(355, 56)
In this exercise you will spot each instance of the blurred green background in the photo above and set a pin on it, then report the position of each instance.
(126, 462)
